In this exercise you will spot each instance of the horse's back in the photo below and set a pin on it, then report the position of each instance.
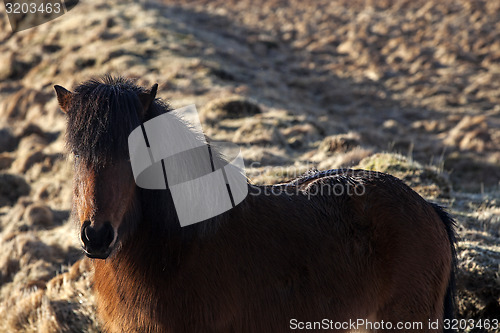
(384, 249)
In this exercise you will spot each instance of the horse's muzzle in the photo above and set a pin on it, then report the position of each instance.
(96, 242)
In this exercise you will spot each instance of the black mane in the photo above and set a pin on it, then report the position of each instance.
(102, 114)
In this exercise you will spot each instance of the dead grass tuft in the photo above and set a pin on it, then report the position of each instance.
(429, 181)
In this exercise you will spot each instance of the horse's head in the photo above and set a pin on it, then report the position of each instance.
(101, 115)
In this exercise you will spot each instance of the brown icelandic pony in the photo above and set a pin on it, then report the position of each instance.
(291, 256)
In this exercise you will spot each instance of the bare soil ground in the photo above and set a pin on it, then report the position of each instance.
(411, 88)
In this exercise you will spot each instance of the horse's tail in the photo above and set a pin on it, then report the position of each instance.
(449, 301)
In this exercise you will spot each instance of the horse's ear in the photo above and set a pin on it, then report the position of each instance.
(147, 98)
(64, 97)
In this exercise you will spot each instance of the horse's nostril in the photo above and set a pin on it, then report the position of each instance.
(97, 239)
(84, 232)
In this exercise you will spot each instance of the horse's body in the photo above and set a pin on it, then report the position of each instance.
(288, 254)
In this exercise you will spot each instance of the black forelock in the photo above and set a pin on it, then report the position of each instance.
(102, 114)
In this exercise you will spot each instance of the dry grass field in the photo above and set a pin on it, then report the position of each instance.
(407, 87)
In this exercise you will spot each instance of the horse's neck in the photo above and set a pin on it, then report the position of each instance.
(158, 234)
